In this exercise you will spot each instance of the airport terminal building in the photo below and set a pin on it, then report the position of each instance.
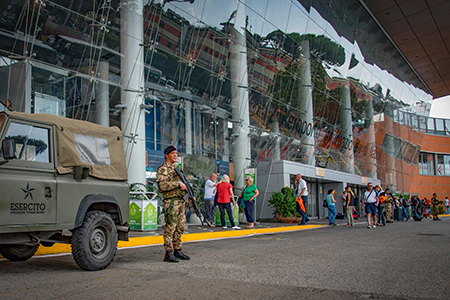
(338, 90)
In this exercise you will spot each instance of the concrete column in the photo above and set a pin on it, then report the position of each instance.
(370, 140)
(188, 126)
(226, 141)
(276, 147)
(306, 106)
(346, 127)
(102, 97)
(389, 146)
(132, 81)
(173, 124)
(239, 94)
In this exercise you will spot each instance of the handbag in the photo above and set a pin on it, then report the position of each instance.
(241, 202)
(300, 204)
(325, 203)
(216, 197)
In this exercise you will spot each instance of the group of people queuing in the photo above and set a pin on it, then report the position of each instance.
(381, 206)
(378, 203)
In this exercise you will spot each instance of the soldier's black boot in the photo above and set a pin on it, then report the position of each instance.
(181, 255)
(169, 257)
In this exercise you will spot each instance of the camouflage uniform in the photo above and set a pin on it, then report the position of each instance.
(173, 203)
(435, 211)
(389, 200)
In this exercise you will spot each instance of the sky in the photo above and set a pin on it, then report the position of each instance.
(440, 108)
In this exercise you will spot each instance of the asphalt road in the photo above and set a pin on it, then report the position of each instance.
(405, 260)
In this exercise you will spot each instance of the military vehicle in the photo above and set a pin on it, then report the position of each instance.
(61, 181)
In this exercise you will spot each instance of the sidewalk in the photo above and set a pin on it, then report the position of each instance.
(195, 233)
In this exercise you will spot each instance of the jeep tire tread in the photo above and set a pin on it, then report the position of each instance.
(94, 243)
(18, 252)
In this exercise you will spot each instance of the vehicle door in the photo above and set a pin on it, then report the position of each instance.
(28, 185)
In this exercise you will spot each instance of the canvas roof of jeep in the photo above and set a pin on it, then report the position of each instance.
(81, 143)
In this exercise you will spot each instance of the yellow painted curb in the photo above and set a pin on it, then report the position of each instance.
(189, 237)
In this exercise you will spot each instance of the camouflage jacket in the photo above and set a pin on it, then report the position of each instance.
(389, 198)
(435, 201)
(167, 181)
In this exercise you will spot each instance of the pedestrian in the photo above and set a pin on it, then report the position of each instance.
(397, 209)
(370, 203)
(446, 204)
(331, 207)
(210, 208)
(350, 205)
(173, 191)
(301, 190)
(435, 203)
(381, 219)
(249, 195)
(388, 207)
(414, 204)
(420, 207)
(405, 209)
(344, 202)
(426, 208)
(225, 193)
(301, 209)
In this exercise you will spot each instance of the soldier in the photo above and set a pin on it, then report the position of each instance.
(389, 201)
(173, 191)
(435, 202)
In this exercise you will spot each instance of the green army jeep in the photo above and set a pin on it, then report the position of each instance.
(61, 181)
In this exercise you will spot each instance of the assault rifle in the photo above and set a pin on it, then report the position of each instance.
(190, 195)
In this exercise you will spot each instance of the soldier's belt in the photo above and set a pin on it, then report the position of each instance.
(174, 198)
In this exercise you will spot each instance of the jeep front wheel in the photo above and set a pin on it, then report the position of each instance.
(94, 243)
(18, 252)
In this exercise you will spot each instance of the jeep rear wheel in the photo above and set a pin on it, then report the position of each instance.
(18, 252)
(94, 243)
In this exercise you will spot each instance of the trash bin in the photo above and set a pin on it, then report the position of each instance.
(143, 211)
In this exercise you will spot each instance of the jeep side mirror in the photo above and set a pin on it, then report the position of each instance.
(9, 149)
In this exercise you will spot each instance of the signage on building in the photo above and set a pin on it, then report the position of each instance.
(320, 172)
(364, 179)
(250, 172)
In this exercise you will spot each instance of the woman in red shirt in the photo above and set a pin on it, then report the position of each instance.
(224, 193)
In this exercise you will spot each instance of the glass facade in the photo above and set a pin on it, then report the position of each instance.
(231, 83)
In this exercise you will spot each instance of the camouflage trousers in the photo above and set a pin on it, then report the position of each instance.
(175, 219)
(435, 211)
(388, 211)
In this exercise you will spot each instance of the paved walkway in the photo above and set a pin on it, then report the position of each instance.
(195, 233)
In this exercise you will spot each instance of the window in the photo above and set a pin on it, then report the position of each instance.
(447, 165)
(92, 150)
(32, 143)
(426, 164)
(440, 165)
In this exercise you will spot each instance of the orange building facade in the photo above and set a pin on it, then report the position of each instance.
(411, 160)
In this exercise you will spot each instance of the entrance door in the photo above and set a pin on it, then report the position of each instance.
(312, 199)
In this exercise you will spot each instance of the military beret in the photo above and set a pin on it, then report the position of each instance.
(170, 149)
